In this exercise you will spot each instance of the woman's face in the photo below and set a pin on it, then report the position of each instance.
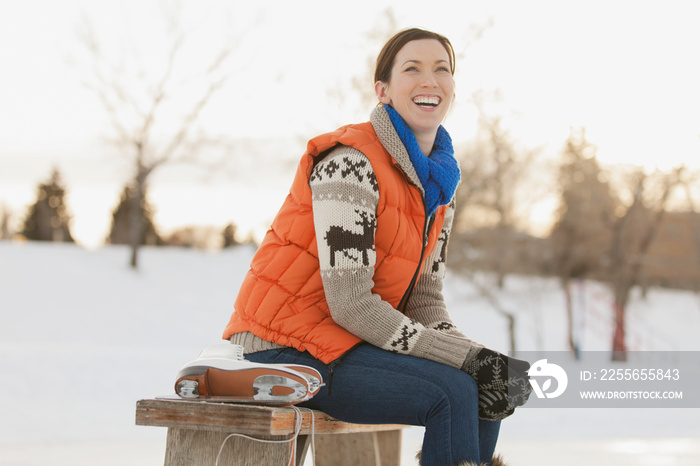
(421, 87)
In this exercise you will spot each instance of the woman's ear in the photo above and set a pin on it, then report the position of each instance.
(380, 90)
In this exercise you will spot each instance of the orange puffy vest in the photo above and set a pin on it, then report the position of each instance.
(282, 298)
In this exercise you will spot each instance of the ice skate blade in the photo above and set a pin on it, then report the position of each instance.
(312, 376)
(278, 386)
(271, 388)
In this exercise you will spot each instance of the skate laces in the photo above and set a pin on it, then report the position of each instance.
(237, 353)
(298, 418)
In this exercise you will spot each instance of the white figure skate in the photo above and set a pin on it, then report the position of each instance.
(221, 373)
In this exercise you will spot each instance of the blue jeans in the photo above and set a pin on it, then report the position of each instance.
(373, 386)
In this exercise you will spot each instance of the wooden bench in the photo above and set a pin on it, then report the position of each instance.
(196, 431)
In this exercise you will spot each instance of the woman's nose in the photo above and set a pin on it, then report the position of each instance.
(429, 80)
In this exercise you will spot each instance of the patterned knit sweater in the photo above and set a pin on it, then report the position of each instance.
(345, 195)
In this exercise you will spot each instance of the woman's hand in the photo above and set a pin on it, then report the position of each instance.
(503, 383)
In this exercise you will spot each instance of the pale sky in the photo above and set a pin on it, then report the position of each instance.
(625, 70)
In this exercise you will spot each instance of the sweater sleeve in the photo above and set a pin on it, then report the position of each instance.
(345, 199)
(427, 303)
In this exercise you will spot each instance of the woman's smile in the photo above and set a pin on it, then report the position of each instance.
(427, 101)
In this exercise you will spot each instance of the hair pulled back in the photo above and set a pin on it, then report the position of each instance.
(385, 60)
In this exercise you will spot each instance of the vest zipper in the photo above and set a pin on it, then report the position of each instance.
(427, 226)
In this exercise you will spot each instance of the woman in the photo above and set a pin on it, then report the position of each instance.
(348, 279)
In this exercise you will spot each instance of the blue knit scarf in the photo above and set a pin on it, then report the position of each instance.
(439, 172)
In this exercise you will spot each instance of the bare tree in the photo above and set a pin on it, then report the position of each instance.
(606, 233)
(493, 173)
(493, 168)
(632, 234)
(487, 292)
(153, 114)
(688, 181)
(581, 235)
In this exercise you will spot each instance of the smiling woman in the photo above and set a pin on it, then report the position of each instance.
(348, 280)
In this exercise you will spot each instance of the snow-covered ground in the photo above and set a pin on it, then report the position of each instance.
(83, 337)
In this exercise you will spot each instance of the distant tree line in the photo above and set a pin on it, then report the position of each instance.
(49, 218)
(625, 231)
(625, 227)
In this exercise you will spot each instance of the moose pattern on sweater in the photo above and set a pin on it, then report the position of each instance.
(345, 195)
(345, 241)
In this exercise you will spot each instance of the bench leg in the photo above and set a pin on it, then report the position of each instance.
(186, 447)
(303, 446)
(359, 449)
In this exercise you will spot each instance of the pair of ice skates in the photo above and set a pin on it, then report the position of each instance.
(221, 373)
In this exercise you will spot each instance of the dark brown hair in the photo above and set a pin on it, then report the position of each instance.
(385, 60)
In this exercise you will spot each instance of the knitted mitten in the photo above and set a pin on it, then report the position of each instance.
(502, 381)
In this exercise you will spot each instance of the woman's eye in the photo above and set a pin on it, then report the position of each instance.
(411, 68)
(443, 68)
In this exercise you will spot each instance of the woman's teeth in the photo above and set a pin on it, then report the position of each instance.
(427, 101)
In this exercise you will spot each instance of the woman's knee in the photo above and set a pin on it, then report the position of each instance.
(458, 382)
(462, 394)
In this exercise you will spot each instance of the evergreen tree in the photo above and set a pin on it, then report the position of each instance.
(229, 236)
(47, 219)
(582, 234)
(5, 215)
(121, 230)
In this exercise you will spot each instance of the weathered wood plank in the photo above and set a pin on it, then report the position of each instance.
(245, 419)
